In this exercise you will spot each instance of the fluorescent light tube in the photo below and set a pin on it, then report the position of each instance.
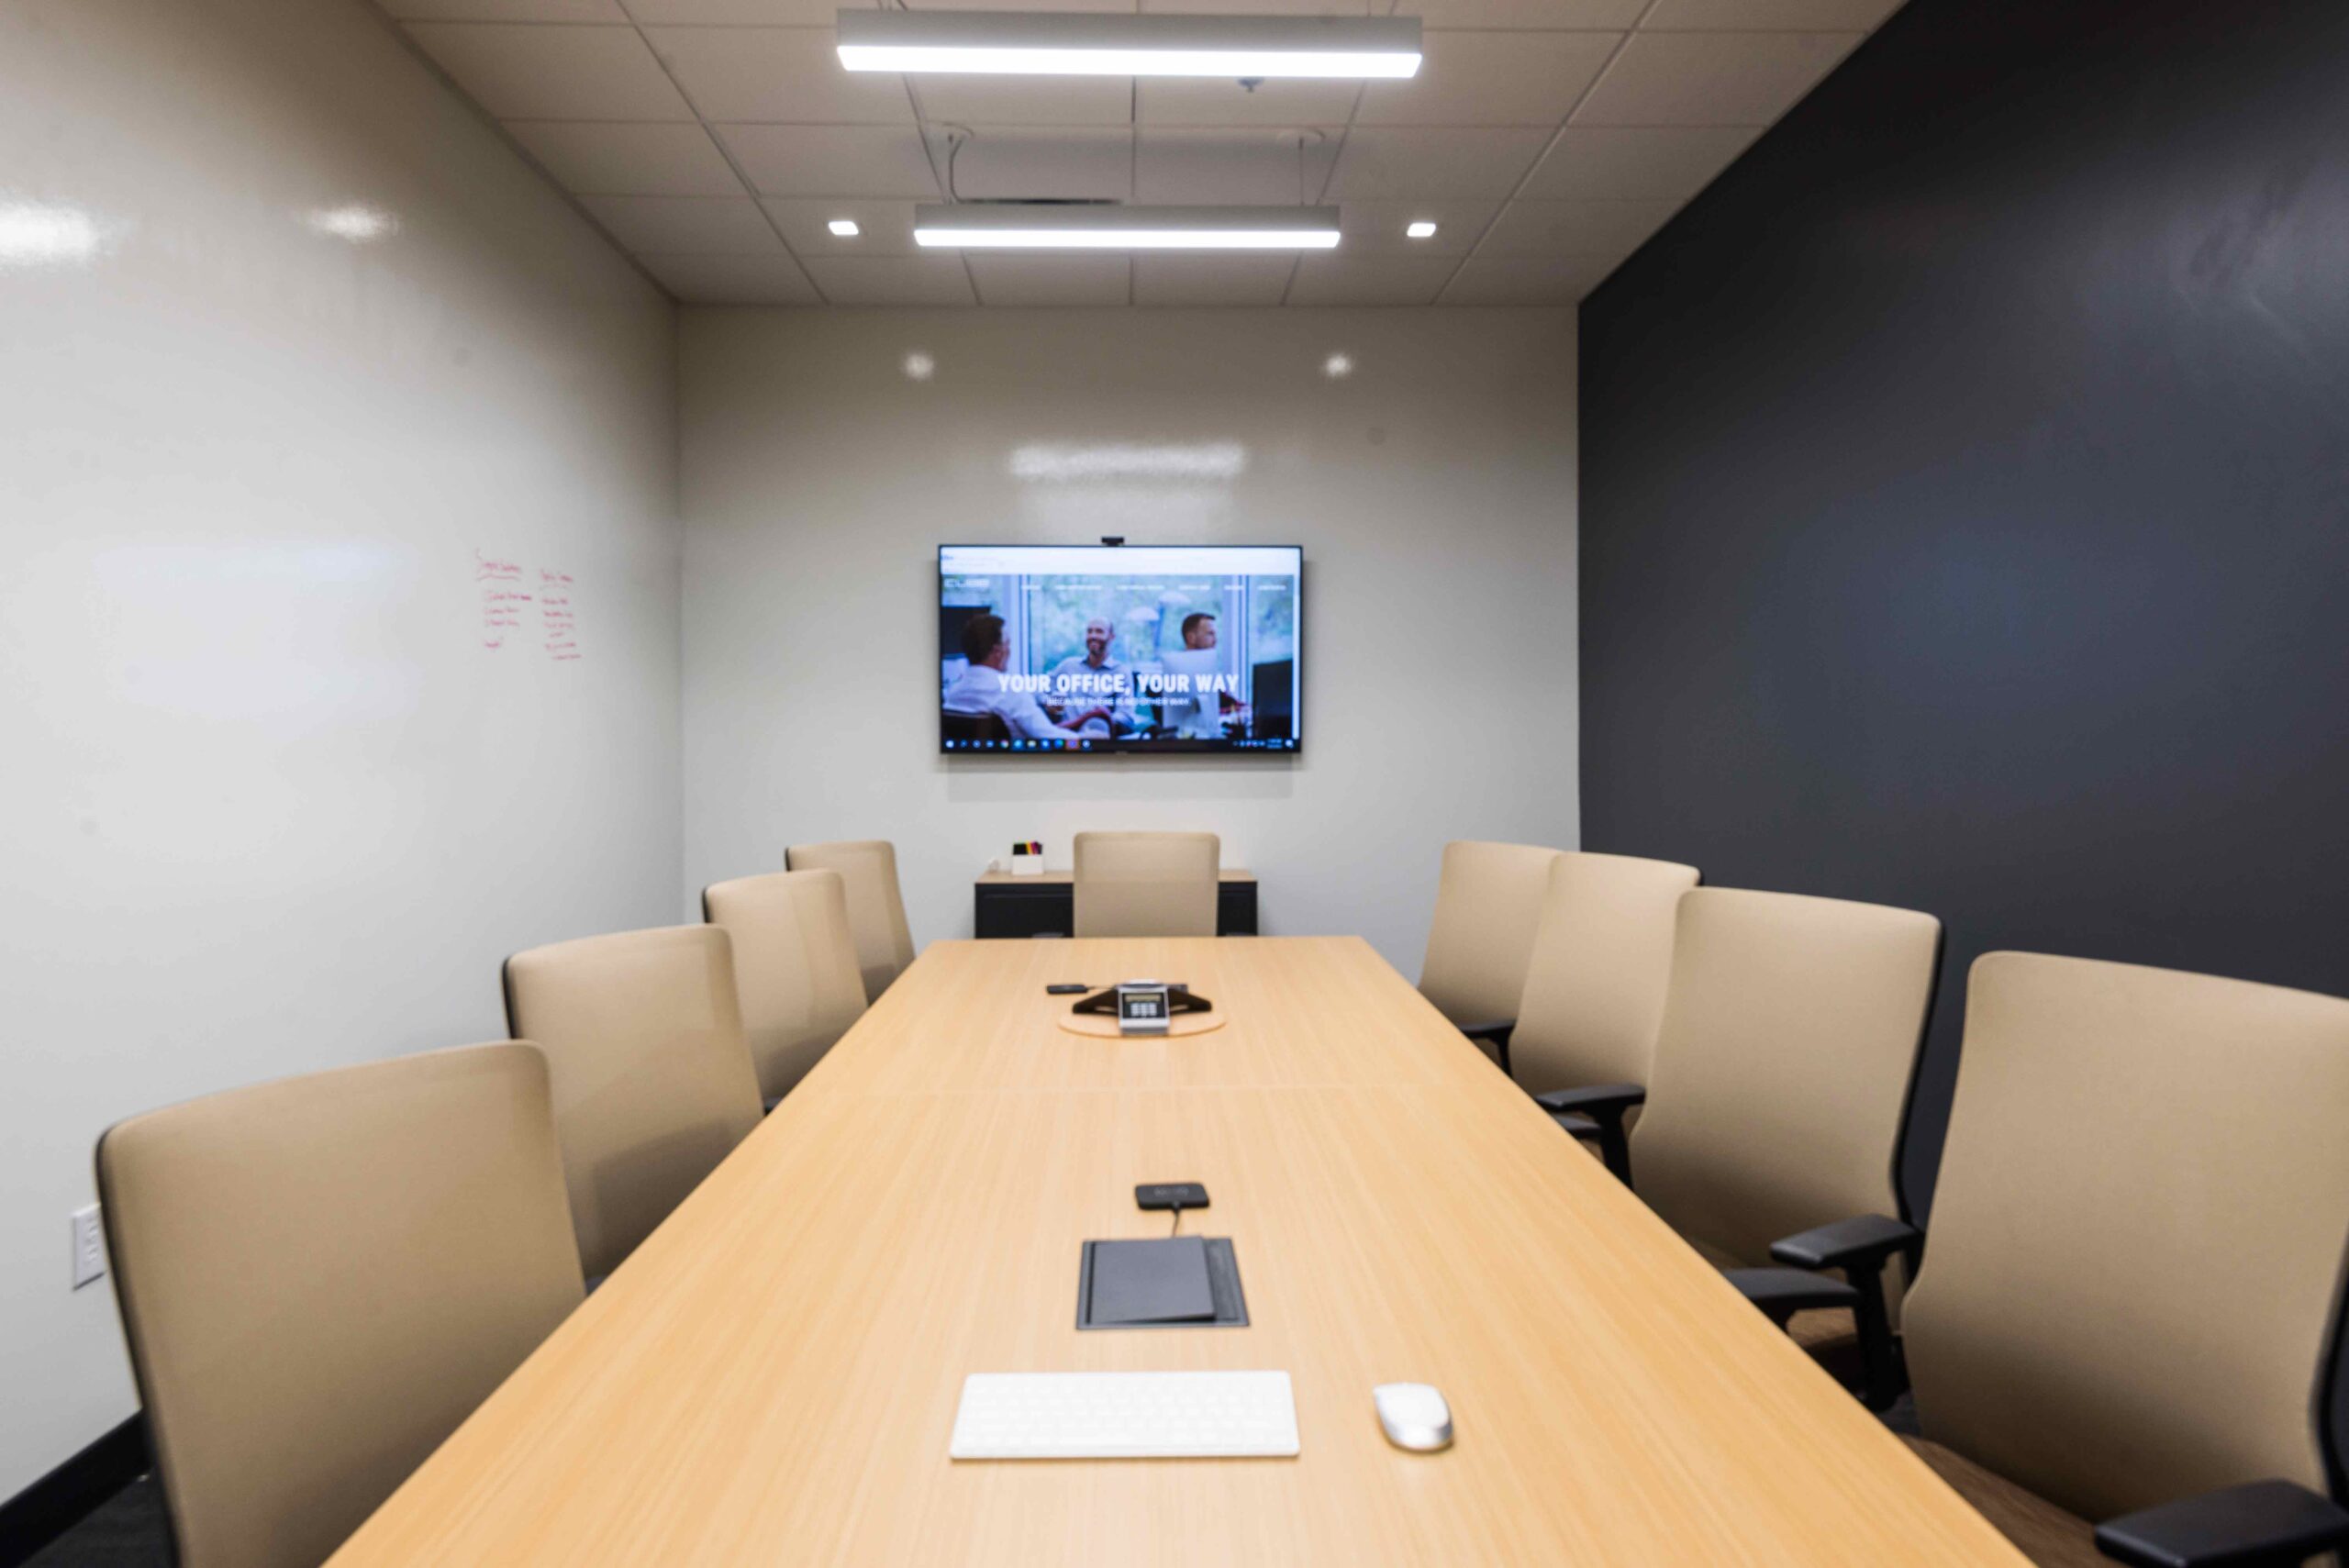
(1044, 225)
(1021, 43)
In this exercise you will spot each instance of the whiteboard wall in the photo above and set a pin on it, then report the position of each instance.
(302, 366)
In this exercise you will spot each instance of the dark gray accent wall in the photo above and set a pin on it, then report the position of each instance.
(1966, 498)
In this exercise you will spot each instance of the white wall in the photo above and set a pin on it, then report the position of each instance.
(1434, 490)
(267, 801)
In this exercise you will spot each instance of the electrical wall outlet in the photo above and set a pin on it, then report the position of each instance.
(89, 1247)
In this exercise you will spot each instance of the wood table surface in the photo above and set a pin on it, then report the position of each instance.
(773, 1376)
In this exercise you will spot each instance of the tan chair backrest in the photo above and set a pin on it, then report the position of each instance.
(1487, 908)
(1602, 960)
(321, 1278)
(1783, 1066)
(1147, 884)
(795, 967)
(652, 1078)
(2137, 1232)
(876, 907)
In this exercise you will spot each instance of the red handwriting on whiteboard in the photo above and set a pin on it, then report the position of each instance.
(559, 626)
(506, 597)
(502, 597)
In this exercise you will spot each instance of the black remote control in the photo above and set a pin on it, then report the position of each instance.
(1171, 1194)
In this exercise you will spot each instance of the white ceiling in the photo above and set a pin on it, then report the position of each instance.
(715, 139)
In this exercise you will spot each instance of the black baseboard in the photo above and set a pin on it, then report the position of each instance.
(67, 1495)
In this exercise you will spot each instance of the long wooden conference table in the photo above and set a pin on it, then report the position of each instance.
(773, 1376)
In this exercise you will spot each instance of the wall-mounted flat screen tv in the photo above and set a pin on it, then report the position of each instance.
(1081, 649)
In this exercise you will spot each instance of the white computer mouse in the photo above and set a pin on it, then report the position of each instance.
(1414, 1416)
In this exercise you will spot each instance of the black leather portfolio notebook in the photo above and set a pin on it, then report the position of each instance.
(1151, 1282)
(1175, 1282)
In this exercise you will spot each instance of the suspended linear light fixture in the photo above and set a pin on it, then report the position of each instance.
(1093, 225)
(1022, 43)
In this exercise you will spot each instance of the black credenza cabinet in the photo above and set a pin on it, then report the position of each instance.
(1046, 907)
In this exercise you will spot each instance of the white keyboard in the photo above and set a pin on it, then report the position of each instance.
(1124, 1414)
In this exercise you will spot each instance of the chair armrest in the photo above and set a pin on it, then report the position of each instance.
(1577, 1123)
(1603, 1106)
(1860, 1247)
(2265, 1522)
(1499, 1033)
(1865, 1242)
(1606, 1101)
(1782, 1293)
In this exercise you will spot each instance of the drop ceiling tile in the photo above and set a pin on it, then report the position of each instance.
(1540, 229)
(686, 226)
(1491, 79)
(791, 75)
(629, 160)
(1762, 16)
(1509, 281)
(1663, 163)
(528, 72)
(1712, 79)
(1002, 164)
(884, 228)
(1375, 228)
(892, 280)
(833, 161)
(1242, 167)
(1052, 280)
(733, 280)
(1211, 280)
(1601, 14)
(1191, 101)
(1026, 100)
(1384, 162)
(1370, 279)
(504, 11)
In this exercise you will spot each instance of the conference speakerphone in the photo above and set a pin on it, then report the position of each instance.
(1144, 1006)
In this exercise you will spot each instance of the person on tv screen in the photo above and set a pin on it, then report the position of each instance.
(1095, 679)
(1229, 714)
(981, 689)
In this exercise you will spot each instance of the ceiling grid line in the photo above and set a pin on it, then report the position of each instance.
(1544, 153)
(749, 188)
(1548, 147)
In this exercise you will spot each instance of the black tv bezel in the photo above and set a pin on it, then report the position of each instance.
(1113, 747)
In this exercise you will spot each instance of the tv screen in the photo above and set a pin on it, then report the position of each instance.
(1119, 647)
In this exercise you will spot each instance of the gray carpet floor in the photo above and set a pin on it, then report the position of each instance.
(127, 1531)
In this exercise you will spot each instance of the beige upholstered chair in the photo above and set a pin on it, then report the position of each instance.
(2137, 1242)
(1602, 959)
(1147, 884)
(653, 1079)
(320, 1278)
(1778, 1092)
(876, 908)
(1783, 1066)
(794, 968)
(1480, 947)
